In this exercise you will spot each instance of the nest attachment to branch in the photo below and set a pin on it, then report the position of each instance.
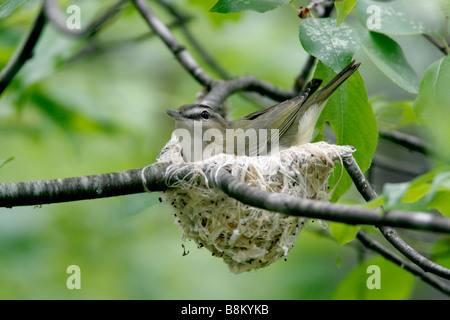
(246, 237)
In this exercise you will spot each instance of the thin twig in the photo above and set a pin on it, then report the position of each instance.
(222, 89)
(390, 234)
(408, 141)
(181, 20)
(24, 53)
(300, 81)
(258, 99)
(437, 44)
(58, 19)
(95, 47)
(323, 10)
(377, 247)
(179, 51)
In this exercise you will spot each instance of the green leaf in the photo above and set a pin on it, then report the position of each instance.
(420, 186)
(343, 233)
(388, 56)
(439, 195)
(432, 105)
(393, 114)
(7, 8)
(440, 252)
(400, 17)
(215, 19)
(441, 202)
(334, 46)
(5, 161)
(63, 113)
(350, 116)
(379, 201)
(343, 8)
(393, 194)
(434, 87)
(429, 191)
(395, 282)
(227, 6)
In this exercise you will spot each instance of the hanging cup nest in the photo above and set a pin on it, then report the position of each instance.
(246, 237)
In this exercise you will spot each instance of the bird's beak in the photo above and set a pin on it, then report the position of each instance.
(174, 114)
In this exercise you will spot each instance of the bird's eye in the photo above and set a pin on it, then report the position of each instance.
(205, 114)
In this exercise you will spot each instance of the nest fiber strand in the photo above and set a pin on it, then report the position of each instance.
(246, 237)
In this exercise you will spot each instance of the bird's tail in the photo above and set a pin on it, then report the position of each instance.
(324, 93)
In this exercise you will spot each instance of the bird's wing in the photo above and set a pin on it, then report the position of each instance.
(309, 89)
(287, 111)
(280, 116)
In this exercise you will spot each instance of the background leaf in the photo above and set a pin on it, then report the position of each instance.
(401, 17)
(226, 6)
(393, 114)
(441, 202)
(334, 46)
(343, 8)
(5, 161)
(433, 88)
(216, 19)
(387, 55)
(343, 233)
(393, 195)
(7, 8)
(395, 283)
(432, 106)
(429, 191)
(351, 117)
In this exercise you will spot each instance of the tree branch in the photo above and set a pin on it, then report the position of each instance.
(24, 53)
(322, 210)
(154, 178)
(71, 189)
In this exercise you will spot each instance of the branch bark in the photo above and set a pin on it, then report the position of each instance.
(24, 53)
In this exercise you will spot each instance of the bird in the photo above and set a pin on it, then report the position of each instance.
(203, 132)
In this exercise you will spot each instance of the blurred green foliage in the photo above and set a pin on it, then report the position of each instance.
(84, 107)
